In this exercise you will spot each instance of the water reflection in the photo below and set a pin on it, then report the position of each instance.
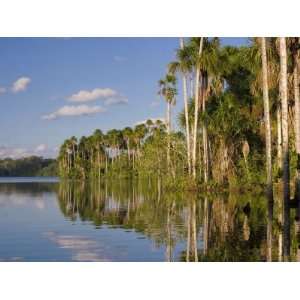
(128, 205)
(137, 220)
(221, 227)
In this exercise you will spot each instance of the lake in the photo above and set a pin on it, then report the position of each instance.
(44, 219)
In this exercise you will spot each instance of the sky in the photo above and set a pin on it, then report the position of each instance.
(54, 88)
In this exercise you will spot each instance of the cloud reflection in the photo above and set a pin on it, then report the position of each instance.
(20, 200)
(83, 249)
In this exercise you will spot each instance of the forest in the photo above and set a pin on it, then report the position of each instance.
(239, 129)
(239, 124)
(28, 166)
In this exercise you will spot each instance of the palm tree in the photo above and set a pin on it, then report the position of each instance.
(139, 134)
(197, 83)
(90, 151)
(168, 90)
(285, 144)
(206, 57)
(184, 66)
(149, 123)
(73, 142)
(267, 118)
(98, 141)
(128, 134)
(255, 64)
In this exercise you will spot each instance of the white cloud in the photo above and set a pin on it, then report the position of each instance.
(19, 152)
(108, 95)
(97, 93)
(12, 152)
(44, 150)
(41, 148)
(72, 110)
(21, 84)
(2, 90)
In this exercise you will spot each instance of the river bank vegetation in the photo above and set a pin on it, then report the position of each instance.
(239, 124)
(28, 166)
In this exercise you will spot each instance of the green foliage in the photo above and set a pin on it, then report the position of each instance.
(28, 166)
(231, 112)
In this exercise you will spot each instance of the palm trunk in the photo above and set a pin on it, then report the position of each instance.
(267, 120)
(279, 137)
(133, 158)
(186, 113)
(168, 132)
(285, 147)
(200, 161)
(69, 163)
(205, 153)
(99, 169)
(169, 118)
(73, 154)
(205, 142)
(91, 159)
(128, 151)
(196, 109)
(297, 123)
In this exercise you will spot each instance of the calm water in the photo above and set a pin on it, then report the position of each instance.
(42, 219)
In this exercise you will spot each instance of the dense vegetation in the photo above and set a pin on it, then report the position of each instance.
(240, 125)
(28, 166)
(232, 127)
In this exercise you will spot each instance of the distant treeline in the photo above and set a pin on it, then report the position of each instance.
(28, 166)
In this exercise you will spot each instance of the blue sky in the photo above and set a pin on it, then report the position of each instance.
(53, 88)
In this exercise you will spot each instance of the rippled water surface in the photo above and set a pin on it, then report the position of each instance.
(42, 219)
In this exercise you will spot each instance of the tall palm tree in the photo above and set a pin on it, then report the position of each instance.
(139, 134)
(285, 144)
(167, 89)
(254, 58)
(206, 58)
(197, 83)
(112, 143)
(267, 118)
(207, 67)
(184, 66)
(98, 141)
(128, 134)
